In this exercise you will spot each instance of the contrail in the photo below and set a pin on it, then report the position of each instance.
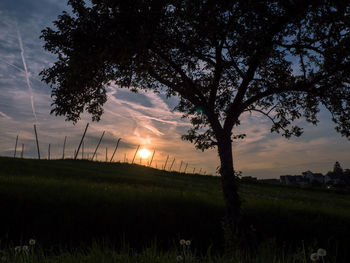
(26, 73)
(18, 68)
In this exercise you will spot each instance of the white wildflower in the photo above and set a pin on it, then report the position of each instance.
(32, 242)
(25, 249)
(182, 242)
(314, 257)
(321, 252)
(18, 249)
(179, 258)
(188, 242)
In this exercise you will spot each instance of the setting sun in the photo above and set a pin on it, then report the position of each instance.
(144, 153)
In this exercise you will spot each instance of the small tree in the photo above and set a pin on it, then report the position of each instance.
(337, 169)
(281, 59)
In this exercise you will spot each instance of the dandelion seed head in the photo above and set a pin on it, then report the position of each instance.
(179, 258)
(188, 242)
(18, 249)
(321, 252)
(182, 242)
(32, 242)
(314, 257)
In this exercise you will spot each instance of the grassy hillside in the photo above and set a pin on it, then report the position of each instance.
(71, 202)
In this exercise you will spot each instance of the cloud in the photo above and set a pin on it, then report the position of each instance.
(27, 74)
(4, 116)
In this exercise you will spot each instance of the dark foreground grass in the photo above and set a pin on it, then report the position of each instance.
(100, 252)
(66, 204)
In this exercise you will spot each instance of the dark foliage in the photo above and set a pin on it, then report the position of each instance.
(282, 59)
(279, 58)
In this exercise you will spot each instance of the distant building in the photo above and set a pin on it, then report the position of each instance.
(293, 179)
(304, 179)
(318, 177)
(310, 176)
(332, 179)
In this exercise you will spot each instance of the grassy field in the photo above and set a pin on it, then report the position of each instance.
(66, 204)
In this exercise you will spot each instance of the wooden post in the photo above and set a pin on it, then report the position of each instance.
(171, 166)
(194, 169)
(75, 151)
(14, 155)
(180, 167)
(22, 150)
(133, 159)
(186, 168)
(166, 161)
(116, 147)
(64, 146)
(48, 153)
(150, 163)
(81, 141)
(37, 141)
(97, 146)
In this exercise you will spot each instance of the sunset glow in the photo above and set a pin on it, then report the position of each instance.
(144, 153)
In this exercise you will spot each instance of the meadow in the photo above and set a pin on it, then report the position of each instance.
(79, 210)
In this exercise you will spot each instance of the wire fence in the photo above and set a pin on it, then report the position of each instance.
(115, 150)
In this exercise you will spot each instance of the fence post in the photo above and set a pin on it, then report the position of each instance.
(14, 155)
(49, 154)
(64, 146)
(37, 141)
(116, 147)
(186, 168)
(171, 166)
(180, 167)
(166, 161)
(133, 159)
(97, 146)
(150, 163)
(22, 150)
(81, 141)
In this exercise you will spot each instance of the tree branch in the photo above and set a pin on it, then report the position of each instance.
(183, 75)
(303, 86)
(217, 75)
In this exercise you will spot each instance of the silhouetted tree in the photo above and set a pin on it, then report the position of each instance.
(281, 59)
(337, 169)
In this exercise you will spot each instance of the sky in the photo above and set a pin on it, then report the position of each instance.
(144, 119)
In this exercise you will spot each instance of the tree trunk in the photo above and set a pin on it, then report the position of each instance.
(229, 186)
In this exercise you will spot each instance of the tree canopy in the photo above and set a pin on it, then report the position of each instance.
(222, 58)
(282, 59)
